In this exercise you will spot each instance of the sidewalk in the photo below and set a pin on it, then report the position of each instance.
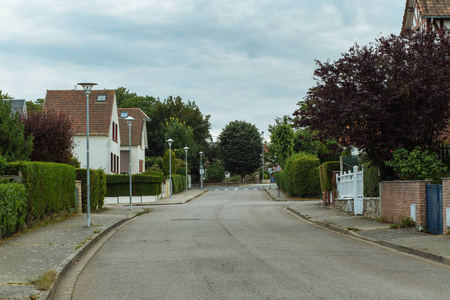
(58, 246)
(409, 240)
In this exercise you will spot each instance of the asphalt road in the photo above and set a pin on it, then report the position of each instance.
(241, 245)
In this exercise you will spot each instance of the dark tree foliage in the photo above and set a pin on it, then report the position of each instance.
(53, 135)
(13, 143)
(240, 144)
(391, 94)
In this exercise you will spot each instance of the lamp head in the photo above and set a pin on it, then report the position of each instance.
(170, 141)
(129, 120)
(186, 149)
(87, 86)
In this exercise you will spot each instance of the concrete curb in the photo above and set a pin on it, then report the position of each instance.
(170, 203)
(72, 259)
(411, 251)
(273, 199)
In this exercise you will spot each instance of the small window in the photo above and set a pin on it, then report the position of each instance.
(123, 114)
(101, 98)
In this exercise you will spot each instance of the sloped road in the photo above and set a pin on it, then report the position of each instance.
(241, 245)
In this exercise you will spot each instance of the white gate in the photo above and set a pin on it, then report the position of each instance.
(350, 185)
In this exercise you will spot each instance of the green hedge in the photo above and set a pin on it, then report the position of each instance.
(50, 187)
(301, 175)
(13, 208)
(179, 182)
(371, 179)
(142, 184)
(97, 180)
(326, 174)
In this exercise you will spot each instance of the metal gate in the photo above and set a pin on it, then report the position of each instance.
(434, 209)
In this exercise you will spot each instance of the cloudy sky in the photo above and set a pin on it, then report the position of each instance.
(246, 60)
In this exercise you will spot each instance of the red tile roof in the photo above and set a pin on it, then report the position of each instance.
(136, 128)
(434, 8)
(73, 102)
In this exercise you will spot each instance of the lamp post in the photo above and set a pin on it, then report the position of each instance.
(201, 171)
(186, 150)
(130, 120)
(262, 156)
(170, 141)
(87, 87)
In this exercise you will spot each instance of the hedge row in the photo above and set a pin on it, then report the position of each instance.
(142, 184)
(179, 182)
(97, 180)
(13, 208)
(326, 174)
(50, 187)
(371, 177)
(301, 176)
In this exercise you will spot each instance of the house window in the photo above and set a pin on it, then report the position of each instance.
(117, 164)
(123, 114)
(141, 166)
(115, 134)
(101, 98)
(112, 163)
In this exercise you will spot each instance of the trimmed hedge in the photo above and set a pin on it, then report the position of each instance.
(97, 180)
(13, 208)
(142, 184)
(326, 174)
(301, 175)
(371, 185)
(50, 187)
(179, 182)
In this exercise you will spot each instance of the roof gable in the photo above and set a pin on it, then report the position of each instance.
(136, 129)
(73, 103)
(434, 8)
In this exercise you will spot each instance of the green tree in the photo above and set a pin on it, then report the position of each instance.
(13, 143)
(282, 139)
(240, 144)
(169, 162)
(183, 136)
(215, 172)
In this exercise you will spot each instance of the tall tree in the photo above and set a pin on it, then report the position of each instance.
(282, 139)
(14, 145)
(240, 144)
(53, 135)
(391, 94)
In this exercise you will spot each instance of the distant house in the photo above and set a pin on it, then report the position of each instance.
(426, 15)
(139, 140)
(104, 137)
(17, 106)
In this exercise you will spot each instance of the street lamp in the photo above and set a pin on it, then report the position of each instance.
(186, 150)
(262, 155)
(170, 141)
(87, 87)
(129, 120)
(201, 171)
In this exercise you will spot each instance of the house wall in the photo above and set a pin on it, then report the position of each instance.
(397, 197)
(136, 154)
(114, 147)
(100, 148)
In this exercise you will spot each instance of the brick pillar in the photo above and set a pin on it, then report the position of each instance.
(445, 202)
(79, 200)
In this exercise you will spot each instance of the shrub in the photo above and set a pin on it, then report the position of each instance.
(97, 180)
(215, 172)
(50, 187)
(167, 162)
(407, 223)
(153, 163)
(417, 164)
(3, 165)
(142, 184)
(371, 181)
(303, 175)
(13, 208)
(178, 182)
(326, 174)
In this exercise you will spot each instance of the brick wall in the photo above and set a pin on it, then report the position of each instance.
(397, 197)
(445, 201)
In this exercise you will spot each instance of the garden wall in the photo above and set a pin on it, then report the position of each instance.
(397, 198)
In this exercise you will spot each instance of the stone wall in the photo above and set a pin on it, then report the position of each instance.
(397, 198)
(445, 202)
(372, 208)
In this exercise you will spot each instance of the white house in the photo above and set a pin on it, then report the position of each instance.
(104, 128)
(426, 15)
(139, 140)
(17, 106)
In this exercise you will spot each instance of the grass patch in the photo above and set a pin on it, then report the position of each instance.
(394, 226)
(407, 223)
(353, 229)
(45, 281)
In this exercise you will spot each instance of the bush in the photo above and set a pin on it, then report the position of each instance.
(153, 163)
(179, 182)
(181, 170)
(326, 174)
(97, 180)
(13, 208)
(236, 178)
(3, 165)
(50, 187)
(417, 165)
(169, 161)
(215, 172)
(302, 171)
(371, 181)
(142, 184)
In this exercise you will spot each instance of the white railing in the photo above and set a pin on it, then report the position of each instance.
(350, 186)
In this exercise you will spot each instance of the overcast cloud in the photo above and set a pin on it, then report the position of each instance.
(238, 60)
